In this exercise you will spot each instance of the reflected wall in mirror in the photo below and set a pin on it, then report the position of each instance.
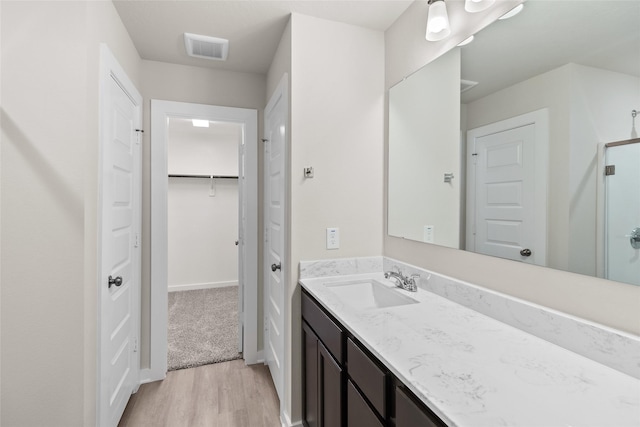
(579, 62)
(422, 206)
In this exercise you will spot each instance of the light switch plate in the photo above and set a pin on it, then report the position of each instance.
(333, 238)
(428, 234)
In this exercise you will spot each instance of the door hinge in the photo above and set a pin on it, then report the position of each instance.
(610, 170)
(139, 133)
(136, 241)
(135, 345)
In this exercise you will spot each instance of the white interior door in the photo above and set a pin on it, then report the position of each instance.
(622, 215)
(275, 228)
(119, 283)
(506, 203)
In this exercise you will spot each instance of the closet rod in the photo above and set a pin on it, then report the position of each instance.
(204, 176)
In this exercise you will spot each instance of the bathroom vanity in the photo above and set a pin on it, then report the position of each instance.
(344, 384)
(377, 355)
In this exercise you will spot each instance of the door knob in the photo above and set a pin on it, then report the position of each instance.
(525, 252)
(237, 243)
(275, 267)
(117, 281)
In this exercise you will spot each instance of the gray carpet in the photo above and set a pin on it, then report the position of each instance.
(203, 327)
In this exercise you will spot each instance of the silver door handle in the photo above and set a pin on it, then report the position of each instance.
(525, 252)
(275, 267)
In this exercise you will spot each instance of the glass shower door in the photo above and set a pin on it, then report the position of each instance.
(622, 213)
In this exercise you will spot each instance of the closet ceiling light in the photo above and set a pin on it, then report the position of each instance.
(200, 123)
(474, 6)
(513, 12)
(438, 21)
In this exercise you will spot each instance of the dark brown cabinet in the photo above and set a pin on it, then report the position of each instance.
(410, 413)
(359, 413)
(323, 373)
(344, 385)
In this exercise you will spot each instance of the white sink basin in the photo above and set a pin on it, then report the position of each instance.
(369, 294)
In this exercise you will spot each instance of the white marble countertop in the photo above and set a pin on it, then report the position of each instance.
(472, 370)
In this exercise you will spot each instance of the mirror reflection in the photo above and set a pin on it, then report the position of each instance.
(510, 159)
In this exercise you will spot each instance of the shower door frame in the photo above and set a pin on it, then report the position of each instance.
(601, 220)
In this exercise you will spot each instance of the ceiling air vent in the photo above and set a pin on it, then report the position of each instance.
(206, 47)
(465, 85)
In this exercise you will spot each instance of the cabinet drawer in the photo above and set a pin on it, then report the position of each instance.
(410, 414)
(368, 376)
(359, 414)
(328, 332)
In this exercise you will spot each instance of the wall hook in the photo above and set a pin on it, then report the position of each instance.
(308, 172)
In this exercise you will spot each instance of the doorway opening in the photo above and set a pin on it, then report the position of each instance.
(202, 231)
(244, 123)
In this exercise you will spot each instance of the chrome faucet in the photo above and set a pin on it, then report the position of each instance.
(402, 281)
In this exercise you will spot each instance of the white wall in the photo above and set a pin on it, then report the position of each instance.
(610, 303)
(202, 229)
(49, 198)
(171, 82)
(201, 235)
(601, 104)
(280, 64)
(337, 106)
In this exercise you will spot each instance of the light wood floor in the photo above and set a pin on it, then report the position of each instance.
(227, 394)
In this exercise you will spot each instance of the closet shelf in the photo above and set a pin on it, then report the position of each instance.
(203, 176)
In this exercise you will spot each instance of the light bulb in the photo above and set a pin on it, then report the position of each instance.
(474, 6)
(438, 21)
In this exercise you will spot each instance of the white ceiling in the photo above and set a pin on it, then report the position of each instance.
(253, 27)
(548, 34)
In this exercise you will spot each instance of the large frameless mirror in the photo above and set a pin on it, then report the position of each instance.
(501, 146)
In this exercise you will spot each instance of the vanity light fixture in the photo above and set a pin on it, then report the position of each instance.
(200, 123)
(438, 21)
(513, 12)
(474, 6)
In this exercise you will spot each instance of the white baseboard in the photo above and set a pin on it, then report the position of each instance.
(196, 286)
(255, 358)
(149, 376)
(285, 420)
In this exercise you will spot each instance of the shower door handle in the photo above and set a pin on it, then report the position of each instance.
(634, 238)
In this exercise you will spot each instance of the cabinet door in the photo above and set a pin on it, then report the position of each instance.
(359, 414)
(330, 374)
(409, 414)
(310, 378)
